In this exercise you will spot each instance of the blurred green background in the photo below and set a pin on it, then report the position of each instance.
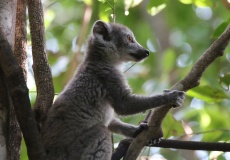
(176, 32)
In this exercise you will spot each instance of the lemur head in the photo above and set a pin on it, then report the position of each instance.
(114, 43)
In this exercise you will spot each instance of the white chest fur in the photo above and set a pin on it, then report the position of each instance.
(109, 114)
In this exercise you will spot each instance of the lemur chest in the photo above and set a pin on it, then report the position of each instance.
(108, 114)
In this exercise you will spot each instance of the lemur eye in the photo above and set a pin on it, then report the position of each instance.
(130, 39)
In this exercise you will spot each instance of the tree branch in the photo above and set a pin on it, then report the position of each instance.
(121, 149)
(10, 130)
(19, 94)
(192, 79)
(175, 144)
(74, 62)
(21, 36)
(193, 145)
(42, 72)
(14, 132)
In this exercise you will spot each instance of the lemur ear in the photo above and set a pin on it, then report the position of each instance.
(101, 28)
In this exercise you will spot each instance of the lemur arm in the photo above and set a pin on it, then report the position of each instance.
(126, 103)
(128, 130)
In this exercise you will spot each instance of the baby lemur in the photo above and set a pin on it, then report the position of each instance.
(79, 123)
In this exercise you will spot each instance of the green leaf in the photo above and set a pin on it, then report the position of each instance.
(131, 3)
(102, 1)
(186, 1)
(108, 9)
(214, 122)
(208, 93)
(203, 3)
(172, 127)
(88, 2)
(50, 15)
(199, 3)
(220, 29)
(156, 3)
(155, 7)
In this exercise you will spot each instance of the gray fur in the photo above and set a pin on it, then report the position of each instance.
(77, 125)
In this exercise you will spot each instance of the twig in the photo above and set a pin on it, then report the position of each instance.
(193, 145)
(175, 144)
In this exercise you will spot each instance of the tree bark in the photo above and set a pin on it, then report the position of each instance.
(191, 80)
(193, 145)
(42, 72)
(21, 36)
(14, 137)
(18, 91)
(11, 134)
(4, 118)
(15, 88)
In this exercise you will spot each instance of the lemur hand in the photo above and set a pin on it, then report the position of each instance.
(175, 98)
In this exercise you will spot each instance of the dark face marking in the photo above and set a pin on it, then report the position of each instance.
(140, 54)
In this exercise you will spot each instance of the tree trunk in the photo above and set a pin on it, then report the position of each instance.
(10, 131)
(4, 104)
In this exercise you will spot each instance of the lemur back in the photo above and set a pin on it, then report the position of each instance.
(79, 123)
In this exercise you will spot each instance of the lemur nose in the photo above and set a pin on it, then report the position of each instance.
(147, 53)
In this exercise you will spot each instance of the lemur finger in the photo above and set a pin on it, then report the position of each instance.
(166, 91)
(154, 141)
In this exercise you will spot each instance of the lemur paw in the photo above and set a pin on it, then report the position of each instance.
(176, 98)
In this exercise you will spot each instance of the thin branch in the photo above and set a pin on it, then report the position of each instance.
(74, 60)
(121, 149)
(112, 6)
(193, 145)
(42, 72)
(20, 44)
(205, 132)
(175, 144)
(192, 79)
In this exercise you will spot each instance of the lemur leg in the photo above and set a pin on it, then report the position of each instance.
(94, 144)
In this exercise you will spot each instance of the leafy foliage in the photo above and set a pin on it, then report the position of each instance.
(208, 93)
(220, 28)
